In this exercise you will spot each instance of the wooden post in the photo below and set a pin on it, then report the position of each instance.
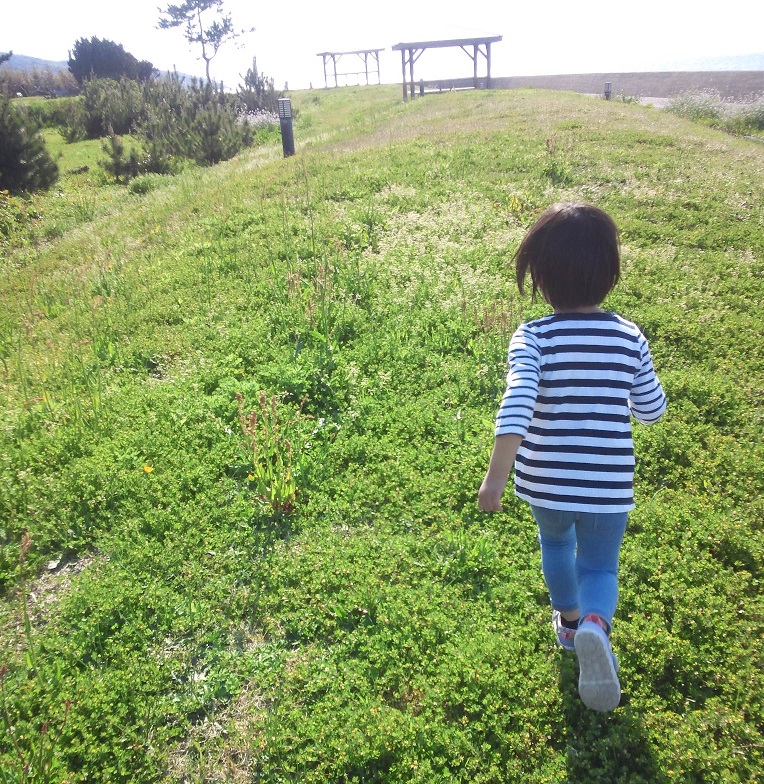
(411, 70)
(403, 65)
(488, 63)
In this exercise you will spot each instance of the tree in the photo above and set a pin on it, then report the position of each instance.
(258, 92)
(4, 59)
(200, 29)
(25, 163)
(102, 59)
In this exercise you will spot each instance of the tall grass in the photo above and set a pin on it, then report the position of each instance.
(709, 108)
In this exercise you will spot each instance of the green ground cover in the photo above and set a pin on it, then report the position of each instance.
(245, 412)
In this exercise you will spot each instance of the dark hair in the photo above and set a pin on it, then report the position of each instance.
(572, 254)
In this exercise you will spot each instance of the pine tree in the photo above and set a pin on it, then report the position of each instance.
(195, 17)
(25, 163)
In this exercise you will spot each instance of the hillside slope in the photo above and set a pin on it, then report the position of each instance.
(245, 412)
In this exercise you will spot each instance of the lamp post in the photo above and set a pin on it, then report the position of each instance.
(285, 120)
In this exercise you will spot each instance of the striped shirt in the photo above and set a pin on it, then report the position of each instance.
(574, 380)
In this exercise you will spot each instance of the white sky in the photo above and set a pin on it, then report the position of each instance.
(551, 36)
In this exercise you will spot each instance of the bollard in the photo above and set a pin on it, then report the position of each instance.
(608, 85)
(285, 120)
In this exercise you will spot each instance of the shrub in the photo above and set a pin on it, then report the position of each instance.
(145, 183)
(258, 94)
(74, 126)
(123, 167)
(697, 106)
(216, 135)
(197, 121)
(171, 120)
(109, 104)
(25, 163)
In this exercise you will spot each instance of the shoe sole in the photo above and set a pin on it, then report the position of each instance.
(598, 684)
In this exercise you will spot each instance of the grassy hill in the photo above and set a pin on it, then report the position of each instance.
(245, 412)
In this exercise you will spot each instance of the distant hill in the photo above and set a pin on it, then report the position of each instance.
(21, 62)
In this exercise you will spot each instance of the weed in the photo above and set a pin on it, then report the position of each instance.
(626, 98)
(556, 168)
(33, 758)
(274, 469)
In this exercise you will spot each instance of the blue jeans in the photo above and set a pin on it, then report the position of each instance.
(579, 559)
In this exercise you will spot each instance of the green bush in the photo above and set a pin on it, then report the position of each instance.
(111, 105)
(258, 93)
(25, 163)
(145, 183)
(121, 165)
(216, 135)
(171, 121)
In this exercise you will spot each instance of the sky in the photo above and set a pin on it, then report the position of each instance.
(550, 37)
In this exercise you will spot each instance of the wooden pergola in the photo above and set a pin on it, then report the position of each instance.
(410, 53)
(364, 54)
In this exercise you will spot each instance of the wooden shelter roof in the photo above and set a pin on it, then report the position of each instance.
(356, 51)
(482, 39)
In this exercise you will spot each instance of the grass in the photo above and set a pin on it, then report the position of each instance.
(742, 118)
(185, 626)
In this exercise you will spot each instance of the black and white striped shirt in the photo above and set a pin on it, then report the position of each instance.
(573, 381)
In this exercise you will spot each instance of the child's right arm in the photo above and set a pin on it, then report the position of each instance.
(502, 459)
(514, 417)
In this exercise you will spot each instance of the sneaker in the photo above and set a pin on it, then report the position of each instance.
(598, 683)
(565, 636)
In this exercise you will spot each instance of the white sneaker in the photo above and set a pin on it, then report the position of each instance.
(565, 636)
(598, 683)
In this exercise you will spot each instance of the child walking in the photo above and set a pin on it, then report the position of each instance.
(575, 379)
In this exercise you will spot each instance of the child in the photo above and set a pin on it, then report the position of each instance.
(564, 422)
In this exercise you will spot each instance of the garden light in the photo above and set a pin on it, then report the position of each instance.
(285, 120)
